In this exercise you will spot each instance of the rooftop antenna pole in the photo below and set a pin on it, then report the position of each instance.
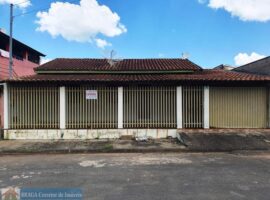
(10, 41)
(112, 54)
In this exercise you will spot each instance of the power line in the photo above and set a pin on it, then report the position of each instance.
(31, 11)
(21, 2)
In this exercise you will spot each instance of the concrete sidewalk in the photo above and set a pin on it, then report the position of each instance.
(88, 146)
(189, 141)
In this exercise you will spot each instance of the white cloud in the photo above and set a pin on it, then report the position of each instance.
(80, 23)
(244, 58)
(44, 60)
(19, 3)
(246, 10)
(102, 43)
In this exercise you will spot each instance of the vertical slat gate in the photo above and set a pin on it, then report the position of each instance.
(149, 107)
(100, 113)
(192, 104)
(33, 107)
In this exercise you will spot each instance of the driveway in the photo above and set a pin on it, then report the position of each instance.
(144, 176)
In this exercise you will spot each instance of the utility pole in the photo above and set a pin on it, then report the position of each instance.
(10, 42)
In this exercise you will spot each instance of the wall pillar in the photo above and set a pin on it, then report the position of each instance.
(6, 114)
(120, 107)
(62, 107)
(206, 107)
(179, 113)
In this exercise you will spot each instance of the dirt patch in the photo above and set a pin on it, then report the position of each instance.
(225, 142)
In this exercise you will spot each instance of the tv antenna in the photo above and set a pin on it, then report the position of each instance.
(111, 59)
(185, 55)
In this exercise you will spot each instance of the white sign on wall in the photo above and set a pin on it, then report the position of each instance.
(91, 94)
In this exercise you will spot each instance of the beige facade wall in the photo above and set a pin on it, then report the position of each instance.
(238, 107)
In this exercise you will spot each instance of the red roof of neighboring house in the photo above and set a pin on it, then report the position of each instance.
(68, 64)
(20, 68)
(205, 75)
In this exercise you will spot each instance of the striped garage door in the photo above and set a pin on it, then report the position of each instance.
(239, 107)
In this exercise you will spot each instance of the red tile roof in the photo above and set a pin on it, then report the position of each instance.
(205, 75)
(66, 64)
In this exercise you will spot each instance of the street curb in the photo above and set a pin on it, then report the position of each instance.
(67, 151)
(169, 150)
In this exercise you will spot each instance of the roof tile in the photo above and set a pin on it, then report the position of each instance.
(68, 64)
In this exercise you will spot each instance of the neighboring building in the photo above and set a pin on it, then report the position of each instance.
(224, 67)
(25, 59)
(99, 98)
(258, 67)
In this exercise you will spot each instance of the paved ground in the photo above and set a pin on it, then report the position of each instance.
(86, 146)
(144, 176)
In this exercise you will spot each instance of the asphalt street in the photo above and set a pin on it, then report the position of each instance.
(144, 176)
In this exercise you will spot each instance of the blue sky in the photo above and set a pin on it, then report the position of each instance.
(211, 32)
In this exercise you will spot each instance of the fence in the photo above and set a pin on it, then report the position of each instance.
(33, 107)
(149, 107)
(193, 107)
(91, 113)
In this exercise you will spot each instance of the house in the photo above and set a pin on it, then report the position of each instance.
(10, 194)
(25, 59)
(261, 67)
(100, 98)
(224, 67)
